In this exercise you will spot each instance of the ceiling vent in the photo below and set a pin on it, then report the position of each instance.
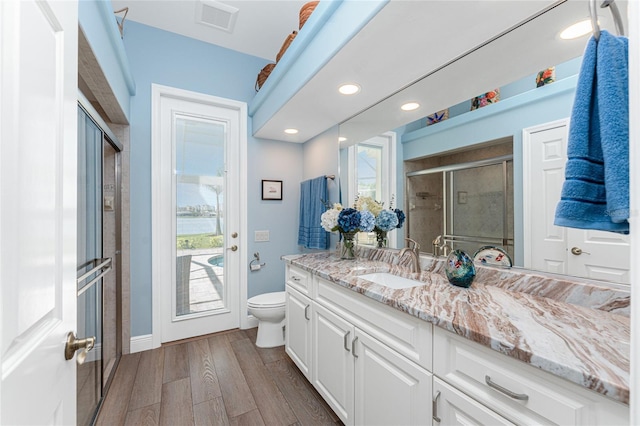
(216, 14)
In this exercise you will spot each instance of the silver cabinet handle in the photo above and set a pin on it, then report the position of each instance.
(434, 407)
(353, 347)
(346, 338)
(510, 394)
(306, 312)
(294, 278)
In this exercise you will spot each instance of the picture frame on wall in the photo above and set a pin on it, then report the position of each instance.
(271, 189)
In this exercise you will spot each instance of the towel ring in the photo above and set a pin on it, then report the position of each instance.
(617, 18)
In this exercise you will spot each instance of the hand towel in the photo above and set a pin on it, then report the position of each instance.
(595, 194)
(313, 195)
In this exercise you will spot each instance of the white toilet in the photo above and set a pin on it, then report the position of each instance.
(269, 309)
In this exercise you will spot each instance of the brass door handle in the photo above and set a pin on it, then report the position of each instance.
(234, 247)
(73, 344)
(578, 251)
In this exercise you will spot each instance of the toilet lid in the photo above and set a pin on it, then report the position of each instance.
(268, 299)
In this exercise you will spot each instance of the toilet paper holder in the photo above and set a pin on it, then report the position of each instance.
(255, 264)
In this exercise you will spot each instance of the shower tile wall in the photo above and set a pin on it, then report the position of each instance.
(122, 133)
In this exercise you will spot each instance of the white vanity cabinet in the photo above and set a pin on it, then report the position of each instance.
(518, 392)
(298, 330)
(298, 310)
(368, 361)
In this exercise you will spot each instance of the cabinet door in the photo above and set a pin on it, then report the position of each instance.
(332, 361)
(452, 407)
(389, 389)
(298, 330)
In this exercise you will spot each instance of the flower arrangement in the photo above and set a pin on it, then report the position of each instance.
(366, 215)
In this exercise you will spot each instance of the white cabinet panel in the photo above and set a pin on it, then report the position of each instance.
(333, 365)
(298, 330)
(389, 389)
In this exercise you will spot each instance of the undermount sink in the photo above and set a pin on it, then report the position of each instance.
(390, 280)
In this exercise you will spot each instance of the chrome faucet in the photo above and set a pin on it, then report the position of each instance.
(414, 252)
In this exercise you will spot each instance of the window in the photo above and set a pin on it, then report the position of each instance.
(372, 173)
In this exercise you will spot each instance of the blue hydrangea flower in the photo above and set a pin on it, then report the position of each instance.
(401, 217)
(349, 220)
(367, 221)
(387, 220)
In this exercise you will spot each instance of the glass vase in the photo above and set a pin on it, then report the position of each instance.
(348, 246)
(381, 238)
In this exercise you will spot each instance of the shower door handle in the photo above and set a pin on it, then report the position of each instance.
(73, 344)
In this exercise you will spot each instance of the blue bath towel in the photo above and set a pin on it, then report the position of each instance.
(313, 195)
(595, 194)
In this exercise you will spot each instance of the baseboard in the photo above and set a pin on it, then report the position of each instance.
(249, 322)
(141, 343)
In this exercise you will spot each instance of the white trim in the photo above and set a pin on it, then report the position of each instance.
(526, 181)
(248, 321)
(159, 91)
(141, 343)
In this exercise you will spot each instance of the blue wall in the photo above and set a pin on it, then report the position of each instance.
(169, 59)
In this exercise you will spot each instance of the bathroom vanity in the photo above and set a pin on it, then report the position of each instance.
(514, 348)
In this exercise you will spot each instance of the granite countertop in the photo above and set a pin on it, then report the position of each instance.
(576, 331)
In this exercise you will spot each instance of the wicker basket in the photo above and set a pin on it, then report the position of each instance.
(306, 11)
(263, 75)
(285, 45)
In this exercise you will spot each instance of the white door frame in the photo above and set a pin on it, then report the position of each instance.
(159, 91)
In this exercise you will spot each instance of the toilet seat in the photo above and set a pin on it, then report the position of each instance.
(268, 300)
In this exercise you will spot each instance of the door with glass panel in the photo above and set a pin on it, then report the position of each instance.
(200, 285)
(98, 248)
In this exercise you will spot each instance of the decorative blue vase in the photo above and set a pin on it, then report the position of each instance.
(459, 269)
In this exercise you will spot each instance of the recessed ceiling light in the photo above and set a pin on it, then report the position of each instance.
(577, 30)
(291, 131)
(410, 106)
(349, 89)
(342, 139)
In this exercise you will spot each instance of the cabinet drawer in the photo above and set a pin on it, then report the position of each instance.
(536, 397)
(408, 335)
(299, 279)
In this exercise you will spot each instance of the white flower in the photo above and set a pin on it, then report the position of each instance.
(329, 219)
(337, 206)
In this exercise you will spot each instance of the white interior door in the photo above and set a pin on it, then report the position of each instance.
(38, 165)
(583, 253)
(196, 234)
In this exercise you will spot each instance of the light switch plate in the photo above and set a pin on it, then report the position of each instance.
(261, 236)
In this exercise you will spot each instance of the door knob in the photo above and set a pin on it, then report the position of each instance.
(234, 235)
(234, 247)
(73, 344)
(578, 251)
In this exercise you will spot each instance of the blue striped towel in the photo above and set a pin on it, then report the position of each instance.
(595, 194)
(313, 194)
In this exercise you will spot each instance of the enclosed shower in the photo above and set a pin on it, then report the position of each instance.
(99, 279)
(462, 200)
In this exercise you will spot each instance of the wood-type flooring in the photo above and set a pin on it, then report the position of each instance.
(219, 379)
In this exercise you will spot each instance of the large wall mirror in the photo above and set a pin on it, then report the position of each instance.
(491, 175)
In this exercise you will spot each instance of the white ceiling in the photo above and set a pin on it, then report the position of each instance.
(260, 29)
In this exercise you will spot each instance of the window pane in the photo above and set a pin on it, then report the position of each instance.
(199, 169)
(369, 171)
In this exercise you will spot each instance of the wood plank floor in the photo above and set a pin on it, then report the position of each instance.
(220, 379)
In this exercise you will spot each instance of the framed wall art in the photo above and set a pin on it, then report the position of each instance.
(271, 189)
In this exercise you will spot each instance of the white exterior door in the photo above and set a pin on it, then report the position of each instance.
(583, 253)
(38, 168)
(197, 212)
